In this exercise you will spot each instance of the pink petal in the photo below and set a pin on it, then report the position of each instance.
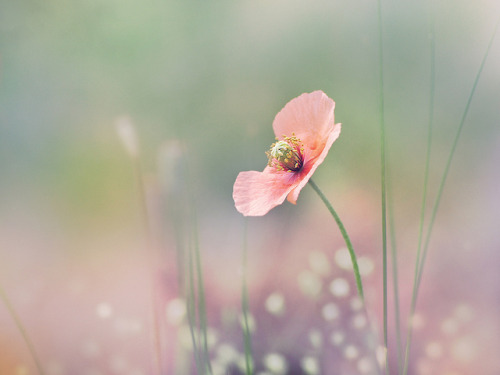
(309, 116)
(311, 162)
(255, 193)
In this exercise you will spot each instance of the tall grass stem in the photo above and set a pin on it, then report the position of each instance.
(22, 330)
(432, 77)
(245, 305)
(395, 283)
(383, 181)
(191, 313)
(202, 311)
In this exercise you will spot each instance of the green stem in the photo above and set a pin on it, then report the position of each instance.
(202, 313)
(395, 283)
(21, 329)
(245, 308)
(383, 181)
(191, 313)
(357, 275)
(424, 195)
(429, 141)
(204, 355)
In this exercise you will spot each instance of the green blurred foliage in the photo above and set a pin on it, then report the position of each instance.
(214, 74)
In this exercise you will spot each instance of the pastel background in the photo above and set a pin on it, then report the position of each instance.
(202, 83)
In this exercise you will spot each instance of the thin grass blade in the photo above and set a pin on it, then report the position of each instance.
(22, 330)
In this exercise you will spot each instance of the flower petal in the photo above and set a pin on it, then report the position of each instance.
(309, 116)
(255, 193)
(311, 162)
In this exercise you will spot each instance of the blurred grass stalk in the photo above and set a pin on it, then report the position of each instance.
(383, 181)
(392, 229)
(127, 134)
(404, 368)
(191, 283)
(194, 288)
(22, 330)
(245, 305)
(193, 316)
(422, 252)
(181, 210)
(200, 294)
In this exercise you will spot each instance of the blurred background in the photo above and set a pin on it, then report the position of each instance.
(202, 83)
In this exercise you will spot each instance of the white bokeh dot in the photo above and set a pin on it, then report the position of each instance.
(176, 311)
(339, 287)
(366, 365)
(319, 263)
(104, 310)
(310, 365)
(343, 258)
(337, 338)
(275, 304)
(359, 321)
(276, 363)
(351, 352)
(330, 311)
(309, 283)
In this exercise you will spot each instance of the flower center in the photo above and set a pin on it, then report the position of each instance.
(286, 155)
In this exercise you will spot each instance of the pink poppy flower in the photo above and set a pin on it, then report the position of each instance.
(305, 130)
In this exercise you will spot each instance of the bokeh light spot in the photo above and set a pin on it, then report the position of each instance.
(310, 365)
(337, 338)
(366, 266)
(464, 350)
(315, 338)
(104, 310)
(339, 287)
(343, 258)
(309, 283)
(276, 363)
(359, 321)
(366, 365)
(434, 350)
(319, 263)
(176, 311)
(351, 352)
(330, 312)
(275, 304)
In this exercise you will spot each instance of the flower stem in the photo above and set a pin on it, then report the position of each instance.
(357, 275)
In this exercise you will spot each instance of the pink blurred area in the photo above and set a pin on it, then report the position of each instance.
(86, 313)
(89, 311)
